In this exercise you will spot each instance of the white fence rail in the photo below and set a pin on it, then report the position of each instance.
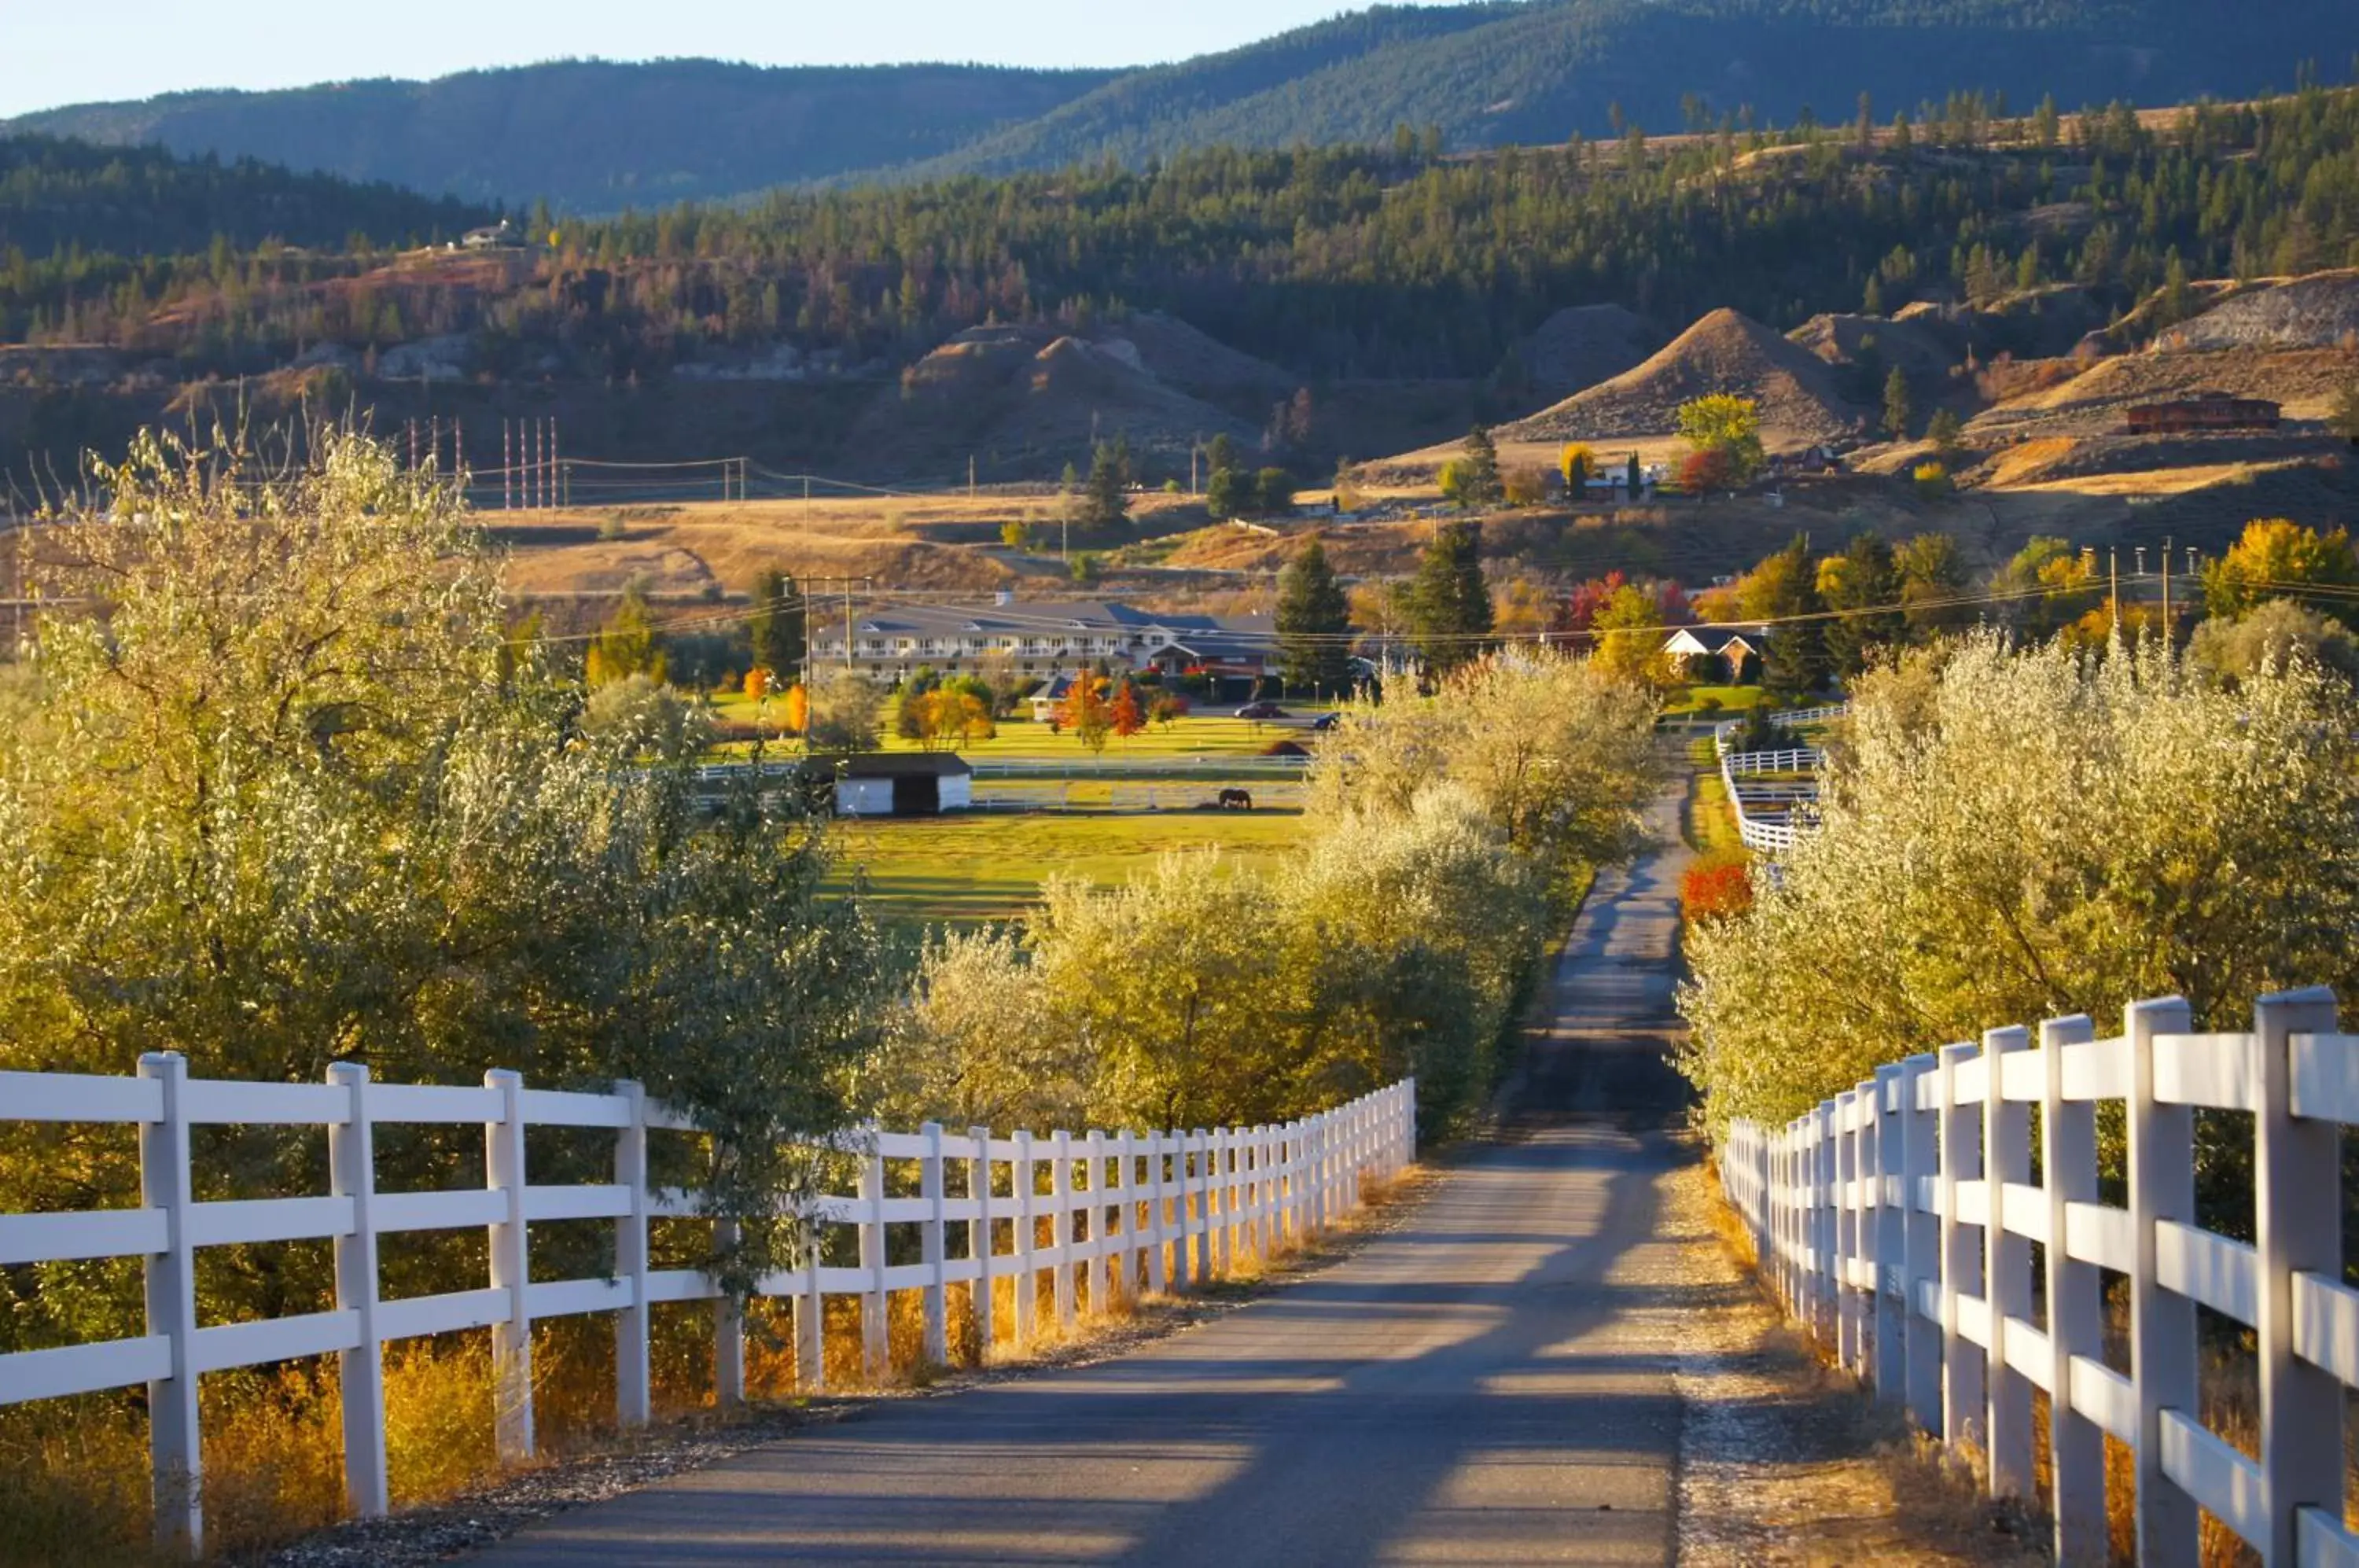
(1725, 734)
(1898, 1222)
(1125, 1210)
(1769, 816)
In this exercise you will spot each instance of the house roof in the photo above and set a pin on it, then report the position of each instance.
(1048, 617)
(1716, 639)
(902, 765)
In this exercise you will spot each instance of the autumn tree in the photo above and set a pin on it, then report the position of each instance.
(1862, 586)
(2277, 557)
(1629, 639)
(1724, 423)
(1313, 623)
(1085, 711)
(1578, 462)
(625, 646)
(1123, 716)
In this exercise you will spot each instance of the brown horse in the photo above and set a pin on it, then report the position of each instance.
(1234, 800)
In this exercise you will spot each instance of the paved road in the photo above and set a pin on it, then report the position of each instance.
(1491, 1384)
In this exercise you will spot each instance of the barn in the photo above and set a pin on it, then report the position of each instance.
(903, 784)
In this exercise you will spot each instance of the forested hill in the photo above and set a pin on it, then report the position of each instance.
(1490, 74)
(593, 136)
(71, 196)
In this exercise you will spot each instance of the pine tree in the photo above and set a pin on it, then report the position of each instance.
(1897, 409)
(1478, 472)
(1313, 618)
(1863, 580)
(777, 623)
(1449, 603)
(1104, 504)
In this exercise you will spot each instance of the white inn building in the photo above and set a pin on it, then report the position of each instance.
(1044, 637)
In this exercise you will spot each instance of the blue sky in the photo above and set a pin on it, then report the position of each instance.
(52, 53)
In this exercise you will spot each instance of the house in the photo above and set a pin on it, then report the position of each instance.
(1042, 637)
(1051, 697)
(903, 784)
(2204, 411)
(1735, 646)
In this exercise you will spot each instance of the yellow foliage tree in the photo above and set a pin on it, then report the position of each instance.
(758, 684)
(797, 709)
(1577, 464)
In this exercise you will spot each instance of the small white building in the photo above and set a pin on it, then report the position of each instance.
(903, 784)
(1736, 645)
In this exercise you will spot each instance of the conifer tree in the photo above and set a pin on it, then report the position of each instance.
(1313, 618)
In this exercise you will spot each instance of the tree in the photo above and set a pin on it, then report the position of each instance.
(1783, 587)
(1629, 639)
(1349, 496)
(1473, 478)
(777, 622)
(1228, 493)
(1122, 714)
(293, 797)
(1944, 892)
(1578, 462)
(1932, 578)
(1104, 504)
(625, 645)
(845, 712)
(2270, 636)
(1166, 708)
(757, 686)
(1898, 411)
(2274, 555)
(2344, 418)
(958, 709)
(1449, 603)
(1085, 711)
(1863, 583)
(1724, 423)
(797, 718)
(1946, 431)
(1274, 492)
(1313, 623)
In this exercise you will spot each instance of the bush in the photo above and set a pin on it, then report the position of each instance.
(1716, 889)
(1932, 480)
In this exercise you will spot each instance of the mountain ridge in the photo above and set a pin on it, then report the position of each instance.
(597, 136)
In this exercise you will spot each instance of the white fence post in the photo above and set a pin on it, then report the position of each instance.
(1965, 1395)
(937, 1348)
(1852, 1322)
(729, 1330)
(1922, 1244)
(980, 1243)
(2297, 1165)
(1060, 1227)
(1106, 1270)
(1219, 1204)
(634, 1378)
(359, 1371)
(1825, 1250)
(504, 1171)
(1023, 1176)
(175, 1451)
(2006, 1265)
(1891, 1240)
(876, 1341)
(1159, 1269)
(2068, 1164)
(2162, 1321)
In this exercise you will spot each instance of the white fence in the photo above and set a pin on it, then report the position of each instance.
(1725, 734)
(1172, 1207)
(1897, 1221)
(1769, 816)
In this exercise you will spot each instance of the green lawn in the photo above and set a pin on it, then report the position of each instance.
(982, 866)
(1730, 702)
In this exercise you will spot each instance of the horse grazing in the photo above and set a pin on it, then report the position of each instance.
(1237, 799)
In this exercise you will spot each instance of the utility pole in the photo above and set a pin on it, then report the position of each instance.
(970, 476)
(507, 469)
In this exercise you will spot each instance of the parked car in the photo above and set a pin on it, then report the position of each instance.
(1261, 711)
(1326, 721)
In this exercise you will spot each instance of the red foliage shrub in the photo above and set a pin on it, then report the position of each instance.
(1716, 890)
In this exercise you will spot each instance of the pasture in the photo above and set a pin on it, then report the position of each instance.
(969, 867)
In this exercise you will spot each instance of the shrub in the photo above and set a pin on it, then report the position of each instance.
(1716, 889)
(1931, 480)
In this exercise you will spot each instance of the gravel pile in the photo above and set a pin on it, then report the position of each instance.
(2318, 312)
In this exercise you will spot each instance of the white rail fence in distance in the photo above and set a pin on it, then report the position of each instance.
(1106, 1214)
(1897, 1221)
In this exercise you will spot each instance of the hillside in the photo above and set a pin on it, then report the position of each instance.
(597, 136)
(592, 135)
(1492, 74)
(56, 195)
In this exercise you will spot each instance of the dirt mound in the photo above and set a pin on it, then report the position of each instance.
(1800, 397)
(1585, 344)
(1018, 398)
(1171, 350)
(2318, 312)
(1876, 343)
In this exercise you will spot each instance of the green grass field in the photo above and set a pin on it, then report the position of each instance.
(968, 868)
(1720, 702)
